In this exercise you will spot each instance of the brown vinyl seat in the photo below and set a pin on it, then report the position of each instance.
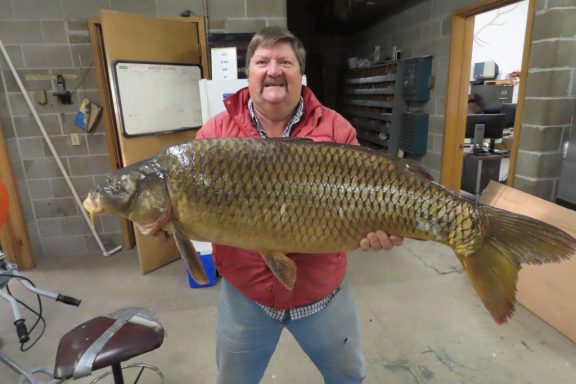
(131, 339)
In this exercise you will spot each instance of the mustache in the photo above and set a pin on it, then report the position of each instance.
(274, 81)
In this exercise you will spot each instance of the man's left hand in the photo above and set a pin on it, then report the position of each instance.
(380, 240)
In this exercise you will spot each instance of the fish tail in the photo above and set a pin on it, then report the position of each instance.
(511, 240)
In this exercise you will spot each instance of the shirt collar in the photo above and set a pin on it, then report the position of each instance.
(295, 119)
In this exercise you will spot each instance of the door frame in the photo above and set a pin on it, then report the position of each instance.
(13, 234)
(457, 90)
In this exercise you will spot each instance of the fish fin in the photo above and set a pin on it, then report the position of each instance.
(511, 240)
(291, 139)
(494, 277)
(283, 268)
(190, 256)
(528, 240)
(417, 168)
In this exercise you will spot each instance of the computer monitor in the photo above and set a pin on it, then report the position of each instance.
(485, 126)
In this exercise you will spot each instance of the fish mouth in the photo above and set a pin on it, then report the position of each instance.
(92, 205)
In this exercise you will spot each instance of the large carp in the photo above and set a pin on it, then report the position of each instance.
(291, 195)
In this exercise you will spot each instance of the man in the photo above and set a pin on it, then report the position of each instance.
(254, 307)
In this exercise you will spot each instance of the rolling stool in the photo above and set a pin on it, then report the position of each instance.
(108, 341)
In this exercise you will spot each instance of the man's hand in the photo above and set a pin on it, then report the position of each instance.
(380, 240)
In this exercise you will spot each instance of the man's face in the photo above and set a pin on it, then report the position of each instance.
(274, 76)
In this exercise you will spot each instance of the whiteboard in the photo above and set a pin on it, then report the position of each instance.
(157, 97)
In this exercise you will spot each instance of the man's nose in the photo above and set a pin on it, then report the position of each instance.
(274, 69)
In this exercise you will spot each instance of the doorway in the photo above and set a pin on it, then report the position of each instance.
(473, 29)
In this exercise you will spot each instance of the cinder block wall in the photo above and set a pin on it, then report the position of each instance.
(423, 28)
(51, 37)
(550, 98)
(420, 28)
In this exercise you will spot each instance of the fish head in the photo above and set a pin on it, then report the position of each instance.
(137, 192)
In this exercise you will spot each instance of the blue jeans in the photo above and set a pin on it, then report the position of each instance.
(246, 338)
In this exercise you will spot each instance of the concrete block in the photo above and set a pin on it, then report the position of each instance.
(40, 189)
(244, 25)
(224, 9)
(82, 184)
(49, 208)
(63, 245)
(216, 24)
(548, 83)
(7, 127)
(573, 83)
(277, 22)
(539, 165)
(21, 32)
(92, 165)
(97, 144)
(442, 7)
(26, 125)
(54, 32)
(31, 148)
(41, 168)
(440, 105)
(38, 9)
(431, 29)
(541, 5)
(555, 23)
(49, 227)
(432, 161)
(262, 8)
(109, 240)
(84, 51)
(18, 106)
(54, 105)
(553, 53)
(423, 11)
(77, 25)
(542, 139)
(75, 225)
(547, 111)
(561, 3)
(110, 223)
(47, 56)
(447, 25)
(82, 9)
(79, 37)
(64, 147)
(29, 85)
(175, 7)
(140, 7)
(6, 10)
(16, 56)
(537, 187)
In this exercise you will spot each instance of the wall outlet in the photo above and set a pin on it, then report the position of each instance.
(74, 139)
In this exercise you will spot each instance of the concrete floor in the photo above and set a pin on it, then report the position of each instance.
(421, 322)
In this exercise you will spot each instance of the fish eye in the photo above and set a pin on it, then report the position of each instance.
(117, 186)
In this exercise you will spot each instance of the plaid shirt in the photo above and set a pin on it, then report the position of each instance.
(295, 119)
(315, 307)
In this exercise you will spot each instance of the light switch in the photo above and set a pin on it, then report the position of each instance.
(74, 139)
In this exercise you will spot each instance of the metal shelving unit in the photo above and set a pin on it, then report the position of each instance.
(373, 103)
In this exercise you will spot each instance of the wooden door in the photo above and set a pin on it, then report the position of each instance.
(122, 36)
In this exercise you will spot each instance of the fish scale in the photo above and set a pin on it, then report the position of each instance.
(282, 196)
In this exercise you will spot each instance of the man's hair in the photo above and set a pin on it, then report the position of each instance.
(269, 36)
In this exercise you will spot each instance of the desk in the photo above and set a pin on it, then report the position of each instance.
(478, 170)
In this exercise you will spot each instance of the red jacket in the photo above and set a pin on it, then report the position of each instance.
(317, 275)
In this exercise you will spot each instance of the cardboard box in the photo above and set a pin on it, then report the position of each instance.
(548, 290)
